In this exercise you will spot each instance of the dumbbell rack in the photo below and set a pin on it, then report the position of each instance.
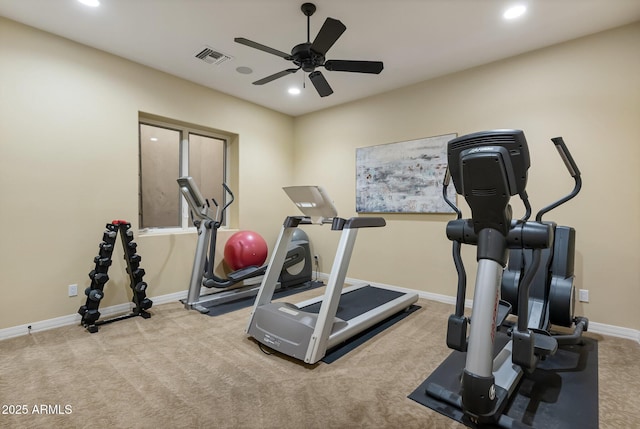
(99, 277)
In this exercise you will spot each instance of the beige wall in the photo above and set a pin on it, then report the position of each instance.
(69, 164)
(69, 154)
(587, 91)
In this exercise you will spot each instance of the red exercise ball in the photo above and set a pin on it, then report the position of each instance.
(244, 249)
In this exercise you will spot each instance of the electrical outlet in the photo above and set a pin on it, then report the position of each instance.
(584, 295)
(73, 290)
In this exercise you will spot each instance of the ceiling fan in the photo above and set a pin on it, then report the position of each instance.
(311, 55)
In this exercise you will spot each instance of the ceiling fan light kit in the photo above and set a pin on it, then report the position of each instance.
(310, 55)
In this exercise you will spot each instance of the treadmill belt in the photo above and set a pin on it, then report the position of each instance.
(359, 301)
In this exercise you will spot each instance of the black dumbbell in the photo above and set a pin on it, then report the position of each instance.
(96, 295)
(146, 303)
(140, 287)
(91, 316)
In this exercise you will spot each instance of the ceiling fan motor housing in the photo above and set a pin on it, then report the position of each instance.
(306, 58)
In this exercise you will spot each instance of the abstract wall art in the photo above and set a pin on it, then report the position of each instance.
(403, 177)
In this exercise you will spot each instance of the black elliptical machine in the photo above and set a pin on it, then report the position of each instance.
(488, 168)
(244, 282)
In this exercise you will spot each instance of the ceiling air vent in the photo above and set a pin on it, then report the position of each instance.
(211, 56)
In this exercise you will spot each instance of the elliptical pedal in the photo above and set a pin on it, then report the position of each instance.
(544, 344)
(247, 272)
(504, 310)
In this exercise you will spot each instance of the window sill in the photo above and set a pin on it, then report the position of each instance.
(156, 232)
(152, 232)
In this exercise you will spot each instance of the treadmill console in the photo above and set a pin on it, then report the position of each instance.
(313, 202)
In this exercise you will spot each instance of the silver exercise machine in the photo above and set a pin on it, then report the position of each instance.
(488, 168)
(308, 329)
(239, 284)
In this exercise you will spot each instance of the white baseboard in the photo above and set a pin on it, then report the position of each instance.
(73, 319)
(614, 331)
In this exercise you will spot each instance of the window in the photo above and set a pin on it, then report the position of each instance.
(168, 151)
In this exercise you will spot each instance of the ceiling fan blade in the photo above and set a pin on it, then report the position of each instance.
(374, 67)
(261, 47)
(275, 76)
(331, 30)
(321, 84)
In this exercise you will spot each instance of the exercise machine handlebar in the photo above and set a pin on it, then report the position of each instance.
(445, 186)
(220, 220)
(574, 171)
(457, 260)
(566, 156)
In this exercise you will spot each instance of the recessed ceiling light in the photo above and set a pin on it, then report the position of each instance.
(514, 12)
(294, 91)
(244, 70)
(154, 139)
(92, 3)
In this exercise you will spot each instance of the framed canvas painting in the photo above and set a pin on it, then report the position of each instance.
(403, 177)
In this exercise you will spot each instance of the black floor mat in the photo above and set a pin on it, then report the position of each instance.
(562, 392)
(228, 307)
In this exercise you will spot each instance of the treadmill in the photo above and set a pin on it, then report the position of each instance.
(306, 330)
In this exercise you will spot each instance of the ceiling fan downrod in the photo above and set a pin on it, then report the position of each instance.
(308, 9)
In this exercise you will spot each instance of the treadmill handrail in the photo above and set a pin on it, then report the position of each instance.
(365, 222)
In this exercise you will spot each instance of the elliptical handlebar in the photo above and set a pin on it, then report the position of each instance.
(200, 206)
(445, 185)
(574, 171)
(566, 156)
(224, 208)
(457, 256)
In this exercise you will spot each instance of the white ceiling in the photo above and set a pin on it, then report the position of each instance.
(416, 39)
